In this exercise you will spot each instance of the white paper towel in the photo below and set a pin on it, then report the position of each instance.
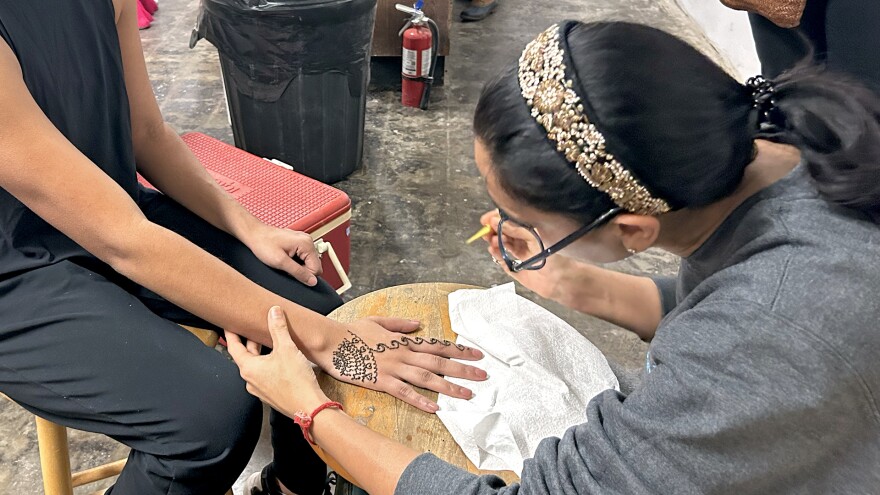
(542, 374)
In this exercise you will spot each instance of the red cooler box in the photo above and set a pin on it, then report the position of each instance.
(283, 198)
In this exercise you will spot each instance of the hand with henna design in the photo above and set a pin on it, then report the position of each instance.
(372, 353)
(376, 356)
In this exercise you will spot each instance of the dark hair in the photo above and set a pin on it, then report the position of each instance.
(679, 123)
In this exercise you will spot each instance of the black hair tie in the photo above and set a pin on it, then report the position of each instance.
(770, 120)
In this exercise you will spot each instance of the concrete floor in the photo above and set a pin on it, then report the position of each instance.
(415, 199)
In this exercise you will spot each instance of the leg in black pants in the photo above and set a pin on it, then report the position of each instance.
(843, 35)
(85, 348)
(79, 350)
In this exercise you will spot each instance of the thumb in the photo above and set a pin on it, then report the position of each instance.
(279, 329)
(312, 261)
(491, 219)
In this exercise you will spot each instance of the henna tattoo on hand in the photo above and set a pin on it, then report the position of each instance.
(405, 341)
(354, 358)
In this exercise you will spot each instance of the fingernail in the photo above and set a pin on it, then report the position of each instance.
(482, 374)
(433, 407)
(477, 353)
(275, 312)
(313, 281)
(415, 322)
(467, 393)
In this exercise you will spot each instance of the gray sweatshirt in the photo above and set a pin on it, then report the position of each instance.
(764, 376)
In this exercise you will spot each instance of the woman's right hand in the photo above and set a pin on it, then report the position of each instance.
(548, 282)
(629, 301)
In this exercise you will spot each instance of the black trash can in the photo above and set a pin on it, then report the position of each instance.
(296, 74)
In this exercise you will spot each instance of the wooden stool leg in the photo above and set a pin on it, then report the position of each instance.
(54, 458)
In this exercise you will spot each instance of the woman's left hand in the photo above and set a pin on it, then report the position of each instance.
(287, 250)
(284, 378)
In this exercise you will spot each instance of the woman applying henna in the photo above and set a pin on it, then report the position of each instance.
(608, 139)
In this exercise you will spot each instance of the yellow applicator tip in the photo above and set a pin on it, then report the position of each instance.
(480, 233)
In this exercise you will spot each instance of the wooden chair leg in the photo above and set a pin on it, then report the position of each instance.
(54, 458)
(98, 473)
(208, 337)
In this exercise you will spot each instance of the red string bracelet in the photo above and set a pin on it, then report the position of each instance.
(305, 420)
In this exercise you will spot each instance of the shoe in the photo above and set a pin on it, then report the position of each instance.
(264, 482)
(478, 13)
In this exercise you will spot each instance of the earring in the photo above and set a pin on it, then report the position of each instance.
(631, 251)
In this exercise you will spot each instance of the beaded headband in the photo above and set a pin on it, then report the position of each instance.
(556, 106)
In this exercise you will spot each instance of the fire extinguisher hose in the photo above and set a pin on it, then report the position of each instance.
(435, 45)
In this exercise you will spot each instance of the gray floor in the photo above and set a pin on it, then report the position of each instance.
(415, 199)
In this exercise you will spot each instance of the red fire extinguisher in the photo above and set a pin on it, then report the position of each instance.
(420, 42)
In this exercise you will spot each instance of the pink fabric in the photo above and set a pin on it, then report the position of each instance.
(144, 16)
(150, 5)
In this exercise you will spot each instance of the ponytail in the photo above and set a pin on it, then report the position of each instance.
(835, 124)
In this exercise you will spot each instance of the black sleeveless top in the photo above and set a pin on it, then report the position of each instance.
(71, 62)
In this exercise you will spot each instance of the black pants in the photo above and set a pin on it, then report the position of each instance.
(84, 347)
(845, 35)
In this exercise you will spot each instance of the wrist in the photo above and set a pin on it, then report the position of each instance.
(249, 229)
(324, 337)
(324, 423)
(306, 418)
(584, 288)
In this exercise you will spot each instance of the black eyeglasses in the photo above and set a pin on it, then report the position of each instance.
(537, 261)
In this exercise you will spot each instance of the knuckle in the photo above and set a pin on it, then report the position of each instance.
(404, 391)
(425, 376)
(440, 362)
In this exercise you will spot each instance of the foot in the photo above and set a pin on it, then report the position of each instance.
(264, 482)
(479, 10)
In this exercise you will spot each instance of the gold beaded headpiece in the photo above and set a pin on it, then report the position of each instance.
(557, 107)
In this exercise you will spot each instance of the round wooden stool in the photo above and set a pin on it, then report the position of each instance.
(55, 450)
(383, 413)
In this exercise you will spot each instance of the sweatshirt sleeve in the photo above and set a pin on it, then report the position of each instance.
(666, 286)
(737, 401)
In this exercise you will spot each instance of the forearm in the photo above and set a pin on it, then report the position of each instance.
(379, 465)
(165, 160)
(189, 277)
(375, 462)
(629, 301)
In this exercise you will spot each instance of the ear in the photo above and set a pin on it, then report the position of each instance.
(636, 232)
